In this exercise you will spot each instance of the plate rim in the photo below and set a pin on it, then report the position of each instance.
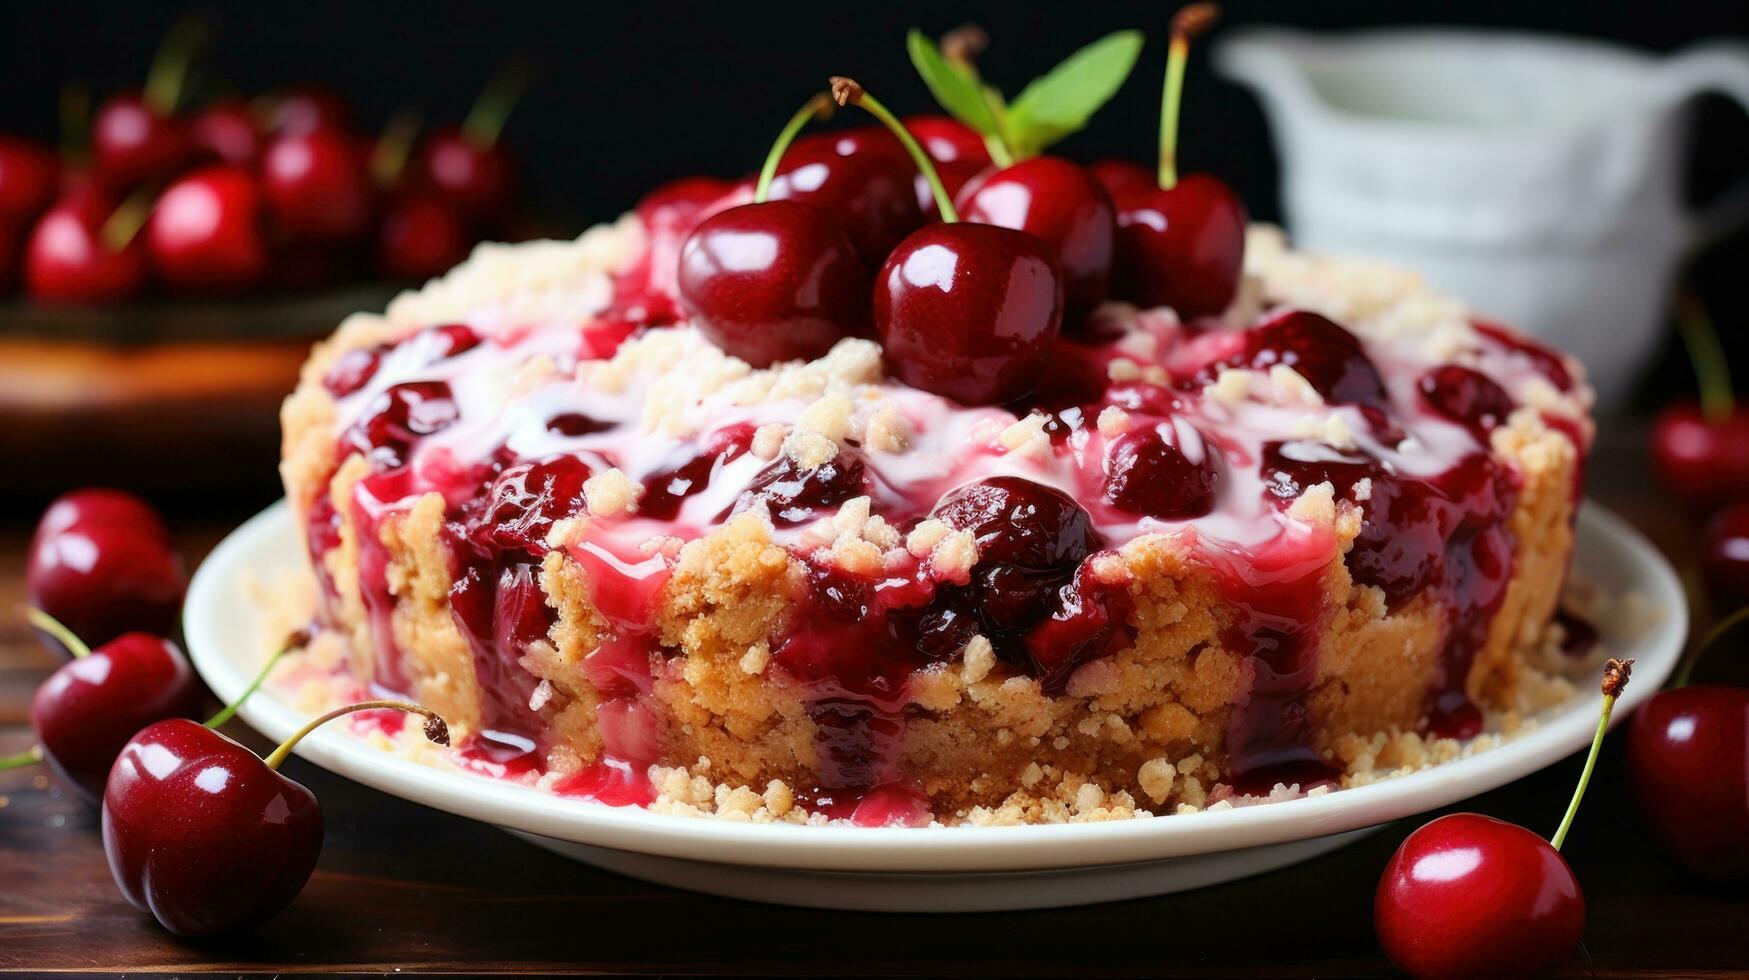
(222, 583)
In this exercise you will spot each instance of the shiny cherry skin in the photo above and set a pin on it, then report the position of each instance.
(205, 233)
(421, 236)
(770, 282)
(869, 195)
(316, 186)
(305, 109)
(1703, 461)
(65, 259)
(1060, 203)
(1689, 761)
(478, 179)
(1166, 470)
(226, 132)
(1471, 896)
(947, 140)
(102, 563)
(1725, 558)
(28, 175)
(201, 834)
(11, 246)
(971, 312)
(1119, 176)
(132, 143)
(89, 708)
(1182, 247)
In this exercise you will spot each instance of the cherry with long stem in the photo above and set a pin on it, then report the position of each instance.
(818, 107)
(846, 91)
(1615, 679)
(1186, 25)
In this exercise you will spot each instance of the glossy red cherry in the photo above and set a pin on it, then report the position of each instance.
(421, 236)
(1330, 358)
(101, 563)
(67, 260)
(316, 186)
(970, 312)
(227, 132)
(1471, 896)
(89, 708)
(1467, 397)
(1725, 558)
(869, 195)
(133, 142)
(1118, 176)
(206, 836)
(28, 174)
(775, 281)
(1180, 240)
(1182, 247)
(947, 140)
(205, 232)
(1702, 459)
(1688, 755)
(478, 178)
(1060, 203)
(305, 109)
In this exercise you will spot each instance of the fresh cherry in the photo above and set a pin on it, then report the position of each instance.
(1688, 755)
(305, 109)
(101, 562)
(1180, 243)
(205, 233)
(773, 281)
(1702, 456)
(947, 140)
(227, 132)
(1725, 560)
(205, 835)
(28, 173)
(477, 178)
(316, 186)
(421, 236)
(1470, 896)
(1119, 176)
(1061, 204)
(869, 195)
(70, 257)
(89, 708)
(132, 142)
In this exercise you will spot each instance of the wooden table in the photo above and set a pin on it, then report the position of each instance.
(403, 889)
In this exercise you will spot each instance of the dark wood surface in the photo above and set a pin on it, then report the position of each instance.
(401, 888)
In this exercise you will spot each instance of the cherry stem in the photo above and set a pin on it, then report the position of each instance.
(1685, 667)
(29, 757)
(125, 222)
(846, 91)
(169, 71)
(1187, 24)
(818, 107)
(1712, 372)
(389, 158)
(435, 727)
(57, 629)
(960, 47)
(485, 121)
(1615, 679)
(229, 711)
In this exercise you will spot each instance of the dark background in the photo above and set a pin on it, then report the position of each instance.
(630, 94)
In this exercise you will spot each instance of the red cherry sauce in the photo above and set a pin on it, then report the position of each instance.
(1548, 363)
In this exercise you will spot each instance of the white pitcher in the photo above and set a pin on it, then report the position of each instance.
(1536, 177)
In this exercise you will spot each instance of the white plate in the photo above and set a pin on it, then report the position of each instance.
(932, 869)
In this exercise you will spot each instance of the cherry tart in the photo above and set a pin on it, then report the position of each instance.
(1156, 566)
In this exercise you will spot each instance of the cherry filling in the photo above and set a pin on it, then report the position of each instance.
(665, 490)
(1446, 535)
(397, 419)
(497, 545)
(355, 368)
(1327, 356)
(1549, 364)
(1467, 397)
(796, 496)
(1166, 471)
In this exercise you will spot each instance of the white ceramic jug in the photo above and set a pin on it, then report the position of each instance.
(1536, 177)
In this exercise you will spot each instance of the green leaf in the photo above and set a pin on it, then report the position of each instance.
(1062, 101)
(958, 91)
